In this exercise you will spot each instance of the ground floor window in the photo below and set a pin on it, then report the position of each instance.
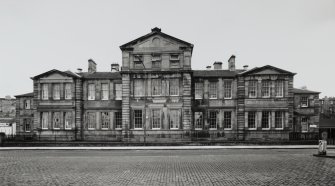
(213, 120)
(27, 125)
(198, 120)
(118, 120)
(45, 120)
(279, 119)
(227, 120)
(304, 124)
(266, 119)
(68, 120)
(91, 120)
(174, 119)
(156, 119)
(105, 120)
(251, 120)
(138, 121)
(56, 120)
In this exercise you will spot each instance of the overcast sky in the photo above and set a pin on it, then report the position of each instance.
(296, 35)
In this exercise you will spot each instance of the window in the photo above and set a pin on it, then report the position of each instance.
(91, 91)
(156, 61)
(174, 119)
(56, 91)
(56, 120)
(45, 91)
(104, 91)
(68, 91)
(213, 119)
(138, 87)
(251, 120)
(91, 120)
(45, 120)
(266, 88)
(105, 120)
(156, 119)
(279, 119)
(213, 90)
(227, 120)
(27, 104)
(252, 88)
(227, 88)
(304, 124)
(118, 91)
(138, 61)
(156, 87)
(118, 120)
(304, 101)
(198, 120)
(138, 121)
(68, 120)
(174, 87)
(27, 125)
(198, 90)
(266, 119)
(174, 61)
(279, 87)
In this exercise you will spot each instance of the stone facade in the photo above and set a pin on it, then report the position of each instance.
(157, 97)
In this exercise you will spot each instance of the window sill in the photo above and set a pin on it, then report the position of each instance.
(227, 129)
(138, 128)
(118, 128)
(68, 128)
(228, 98)
(213, 98)
(265, 128)
(197, 98)
(213, 129)
(45, 129)
(279, 128)
(91, 129)
(104, 128)
(198, 129)
(174, 128)
(56, 128)
(156, 128)
(252, 128)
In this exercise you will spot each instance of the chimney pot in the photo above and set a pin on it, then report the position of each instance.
(231, 63)
(217, 65)
(245, 67)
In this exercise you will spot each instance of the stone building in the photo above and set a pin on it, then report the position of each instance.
(156, 96)
(24, 113)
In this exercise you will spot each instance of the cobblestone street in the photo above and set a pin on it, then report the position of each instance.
(166, 167)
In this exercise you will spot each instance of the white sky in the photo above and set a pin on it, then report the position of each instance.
(40, 35)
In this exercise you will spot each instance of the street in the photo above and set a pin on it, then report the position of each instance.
(166, 167)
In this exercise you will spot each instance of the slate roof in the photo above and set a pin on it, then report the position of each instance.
(100, 75)
(31, 94)
(302, 91)
(214, 73)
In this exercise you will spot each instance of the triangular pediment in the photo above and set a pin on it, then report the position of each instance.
(266, 70)
(56, 75)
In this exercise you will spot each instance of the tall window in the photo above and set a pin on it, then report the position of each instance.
(68, 120)
(138, 87)
(156, 61)
(56, 120)
(279, 86)
(252, 88)
(118, 91)
(27, 104)
(227, 120)
(27, 125)
(213, 119)
(138, 121)
(91, 91)
(227, 84)
(105, 120)
(91, 120)
(138, 61)
(304, 124)
(104, 91)
(118, 120)
(198, 120)
(45, 91)
(266, 89)
(251, 120)
(156, 87)
(174, 87)
(68, 91)
(198, 90)
(174, 119)
(266, 119)
(213, 90)
(174, 61)
(279, 119)
(56, 91)
(45, 120)
(156, 119)
(304, 101)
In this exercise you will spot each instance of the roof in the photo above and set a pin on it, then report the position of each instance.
(101, 75)
(31, 94)
(214, 73)
(303, 91)
(154, 31)
(327, 123)
(66, 73)
(258, 69)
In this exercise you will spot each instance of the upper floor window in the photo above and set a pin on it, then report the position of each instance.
(251, 120)
(279, 119)
(213, 90)
(91, 91)
(279, 86)
(104, 91)
(68, 91)
(56, 91)
(174, 118)
(27, 104)
(138, 87)
(156, 118)
(174, 61)
(138, 121)
(227, 84)
(156, 61)
(118, 91)
(105, 120)
(138, 61)
(252, 89)
(156, 87)
(174, 87)
(198, 90)
(266, 119)
(45, 91)
(304, 101)
(198, 120)
(227, 119)
(266, 88)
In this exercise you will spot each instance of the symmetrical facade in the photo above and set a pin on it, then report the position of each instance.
(157, 96)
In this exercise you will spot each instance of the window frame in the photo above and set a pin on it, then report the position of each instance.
(301, 101)
(174, 62)
(27, 104)
(104, 91)
(45, 91)
(27, 122)
(159, 86)
(268, 120)
(200, 118)
(266, 89)
(105, 120)
(138, 87)
(174, 87)
(56, 91)
(213, 90)
(68, 91)
(198, 90)
(118, 120)
(138, 117)
(252, 88)
(91, 120)
(91, 91)
(227, 121)
(118, 91)
(211, 119)
(280, 118)
(68, 117)
(156, 61)
(45, 120)
(279, 88)
(230, 90)
(177, 117)
(56, 125)
(253, 119)
(153, 117)
(138, 61)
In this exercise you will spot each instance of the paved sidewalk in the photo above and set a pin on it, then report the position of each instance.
(171, 147)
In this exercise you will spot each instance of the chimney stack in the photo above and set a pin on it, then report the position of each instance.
(92, 66)
(231, 63)
(208, 67)
(217, 65)
(115, 67)
(245, 67)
